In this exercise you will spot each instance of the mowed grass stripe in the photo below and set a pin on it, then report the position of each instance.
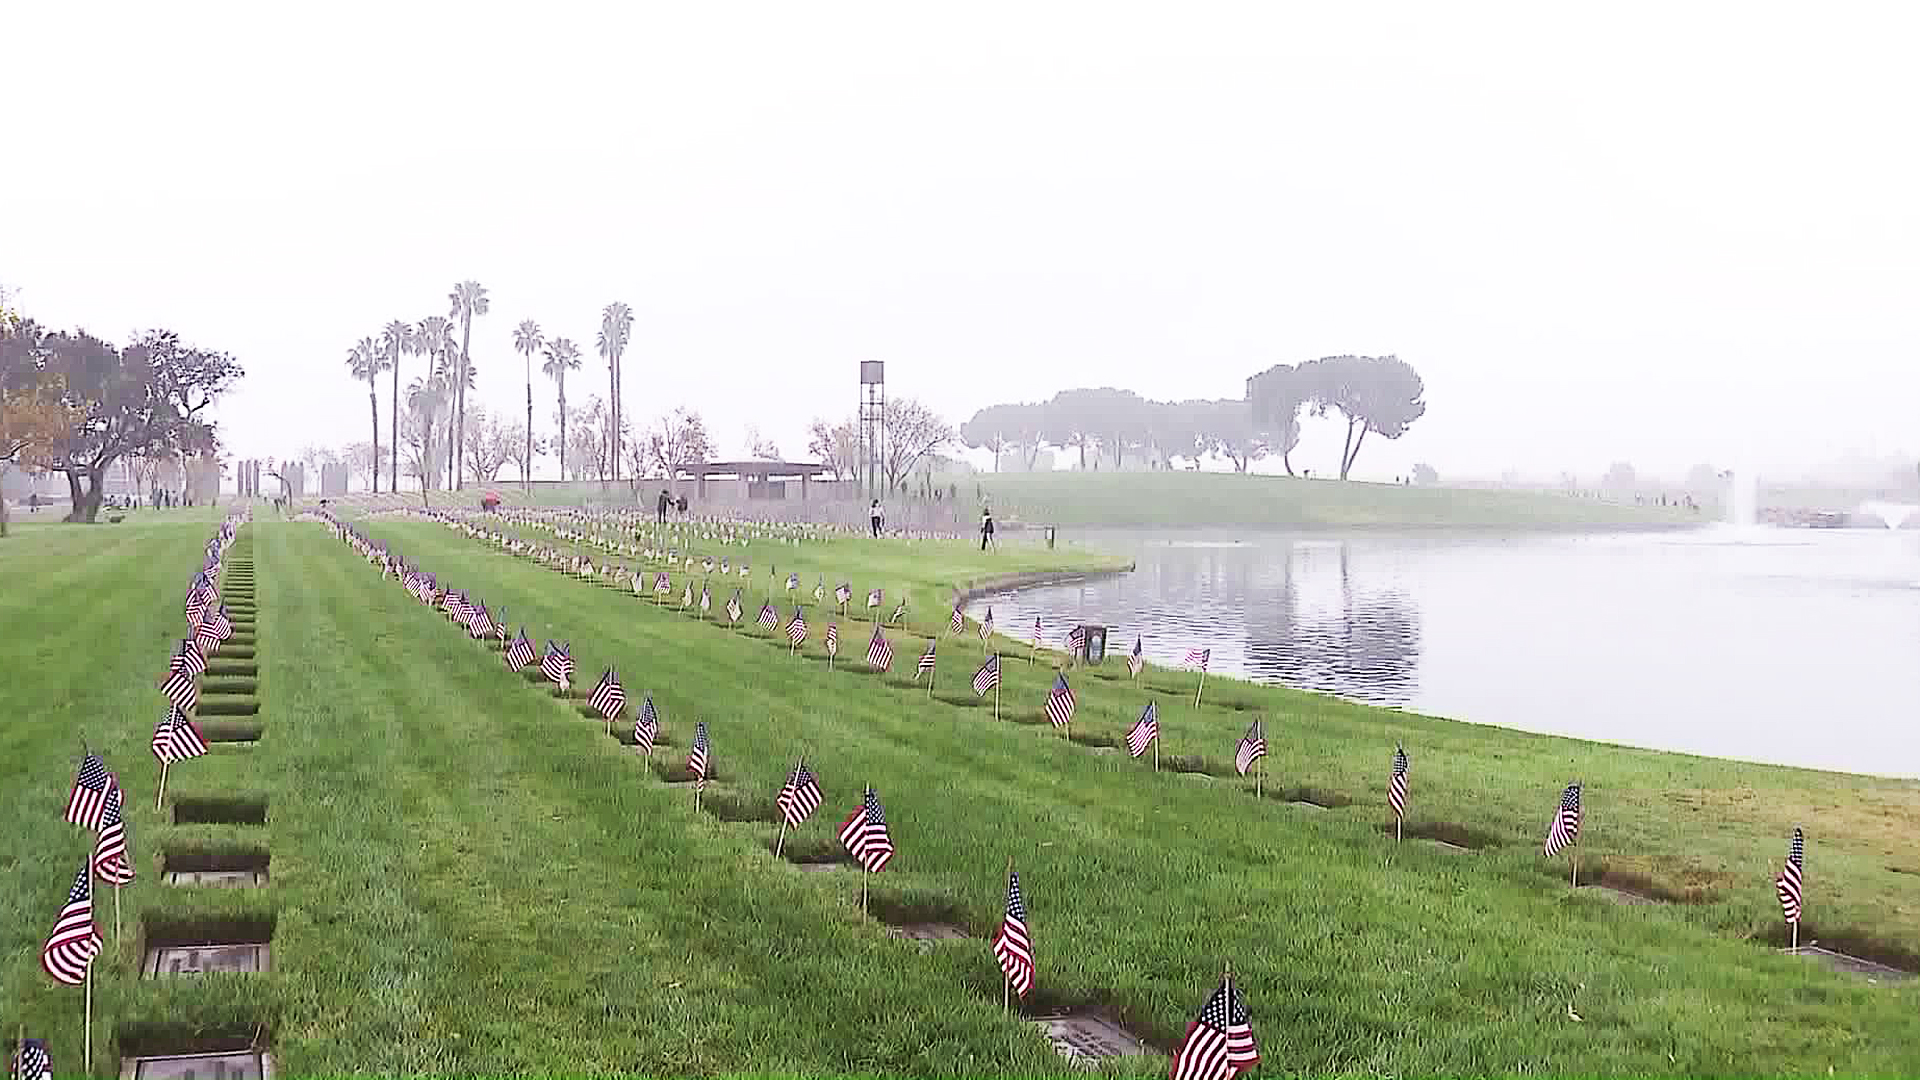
(1359, 955)
(474, 879)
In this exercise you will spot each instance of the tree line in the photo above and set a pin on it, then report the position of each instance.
(75, 404)
(1378, 395)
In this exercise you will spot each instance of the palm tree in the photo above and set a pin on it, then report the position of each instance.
(562, 356)
(396, 340)
(426, 396)
(527, 340)
(468, 300)
(616, 330)
(433, 341)
(365, 362)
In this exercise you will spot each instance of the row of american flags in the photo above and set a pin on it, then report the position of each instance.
(1059, 704)
(1012, 946)
(97, 802)
(1219, 1043)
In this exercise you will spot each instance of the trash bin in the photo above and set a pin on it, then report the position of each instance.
(1049, 538)
(1093, 644)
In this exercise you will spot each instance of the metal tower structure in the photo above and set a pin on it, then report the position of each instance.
(873, 426)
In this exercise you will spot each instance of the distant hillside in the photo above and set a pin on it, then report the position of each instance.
(1180, 499)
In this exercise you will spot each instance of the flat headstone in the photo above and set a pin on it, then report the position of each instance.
(1304, 805)
(201, 959)
(1620, 896)
(1196, 776)
(1853, 965)
(926, 932)
(818, 867)
(225, 1065)
(1450, 846)
(233, 879)
(1087, 1040)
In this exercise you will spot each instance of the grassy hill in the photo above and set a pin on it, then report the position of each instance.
(1179, 499)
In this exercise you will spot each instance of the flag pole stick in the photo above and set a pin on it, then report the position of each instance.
(1006, 994)
(161, 795)
(1258, 771)
(1156, 751)
(88, 1029)
(1795, 947)
(781, 843)
(1198, 689)
(996, 699)
(116, 914)
(865, 875)
(1573, 857)
(1396, 828)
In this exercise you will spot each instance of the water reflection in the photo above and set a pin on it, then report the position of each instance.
(1361, 643)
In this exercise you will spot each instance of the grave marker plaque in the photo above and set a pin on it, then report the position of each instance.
(201, 959)
(1087, 1041)
(228, 1065)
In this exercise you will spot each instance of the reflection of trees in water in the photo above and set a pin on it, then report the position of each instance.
(1366, 646)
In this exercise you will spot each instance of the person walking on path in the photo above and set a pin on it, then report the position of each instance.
(873, 516)
(986, 527)
(662, 507)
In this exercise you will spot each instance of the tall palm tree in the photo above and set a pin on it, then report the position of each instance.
(433, 341)
(427, 396)
(365, 362)
(562, 356)
(616, 330)
(527, 340)
(396, 340)
(468, 300)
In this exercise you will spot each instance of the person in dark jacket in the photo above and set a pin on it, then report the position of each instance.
(663, 506)
(986, 527)
(873, 516)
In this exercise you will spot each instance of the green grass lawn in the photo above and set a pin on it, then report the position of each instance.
(468, 876)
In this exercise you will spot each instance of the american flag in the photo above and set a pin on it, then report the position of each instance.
(1011, 945)
(520, 653)
(88, 800)
(557, 665)
(797, 629)
(661, 586)
(843, 592)
(608, 696)
(200, 597)
(819, 590)
(769, 618)
(926, 661)
(733, 607)
(988, 677)
(1566, 824)
(1036, 631)
(1788, 883)
(833, 639)
(647, 727)
(899, 610)
(793, 582)
(873, 598)
(1144, 730)
(455, 605)
(217, 624)
(188, 658)
(879, 653)
(957, 623)
(31, 1061)
(1136, 659)
(1199, 657)
(986, 624)
(686, 596)
(182, 690)
(799, 797)
(706, 599)
(479, 622)
(697, 757)
(865, 834)
(724, 568)
(1076, 640)
(110, 859)
(205, 641)
(1219, 1043)
(500, 625)
(1060, 701)
(1397, 783)
(73, 944)
(1253, 747)
(743, 569)
(176, 739)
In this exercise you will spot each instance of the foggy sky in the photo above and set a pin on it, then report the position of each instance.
(1658, 233)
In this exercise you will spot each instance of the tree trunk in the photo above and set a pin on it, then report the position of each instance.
(393, 476)
(1347, 465)
(4, 469)
(373, 404)
(1346, 449)
(456, 450)
(1286, 464)
(86, 502)
(563, 432)
(613, 416)
(526, 463)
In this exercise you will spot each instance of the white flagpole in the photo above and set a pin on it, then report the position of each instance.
(161, 795)
(88, 1030)
(1198, 689)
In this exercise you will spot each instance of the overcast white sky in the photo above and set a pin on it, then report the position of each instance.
(1663, 233)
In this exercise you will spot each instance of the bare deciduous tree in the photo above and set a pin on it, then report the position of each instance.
(676, 440)
(836, 447)
(486, 448)
(913, 432)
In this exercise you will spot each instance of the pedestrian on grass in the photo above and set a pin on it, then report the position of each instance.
(986, 527)
(663, 506)
(874, 515)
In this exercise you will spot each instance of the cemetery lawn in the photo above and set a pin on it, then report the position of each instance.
(468, 876)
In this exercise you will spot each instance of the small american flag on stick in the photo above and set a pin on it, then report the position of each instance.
(1252, 747)
(879, 653)
(87, 802)
(1199, 657)
(1788, 883)
(697, 757)
(733, 607)
(988, 677)
(608, 696)
(557, 666)
(864, 834)
(833, 642)
(873, 598)
(1397, 785)
(957, 623)
(926, 662)
(1144, 731)
(1076, 641)
(71, 947)
(1565, 829)
(899, 610)
(31, 1061)
(520, 653)
(986, 624)
(799, 797)
(1219, 1043)
(1136, 660)
(188, 658)
(769, 618)
(182, 691)
(1059, 706)
(176, 739)
(797, 628)
(1011, 945)
(647, 728)
(110, 861)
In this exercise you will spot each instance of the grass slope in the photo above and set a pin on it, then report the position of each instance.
(468, 876)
